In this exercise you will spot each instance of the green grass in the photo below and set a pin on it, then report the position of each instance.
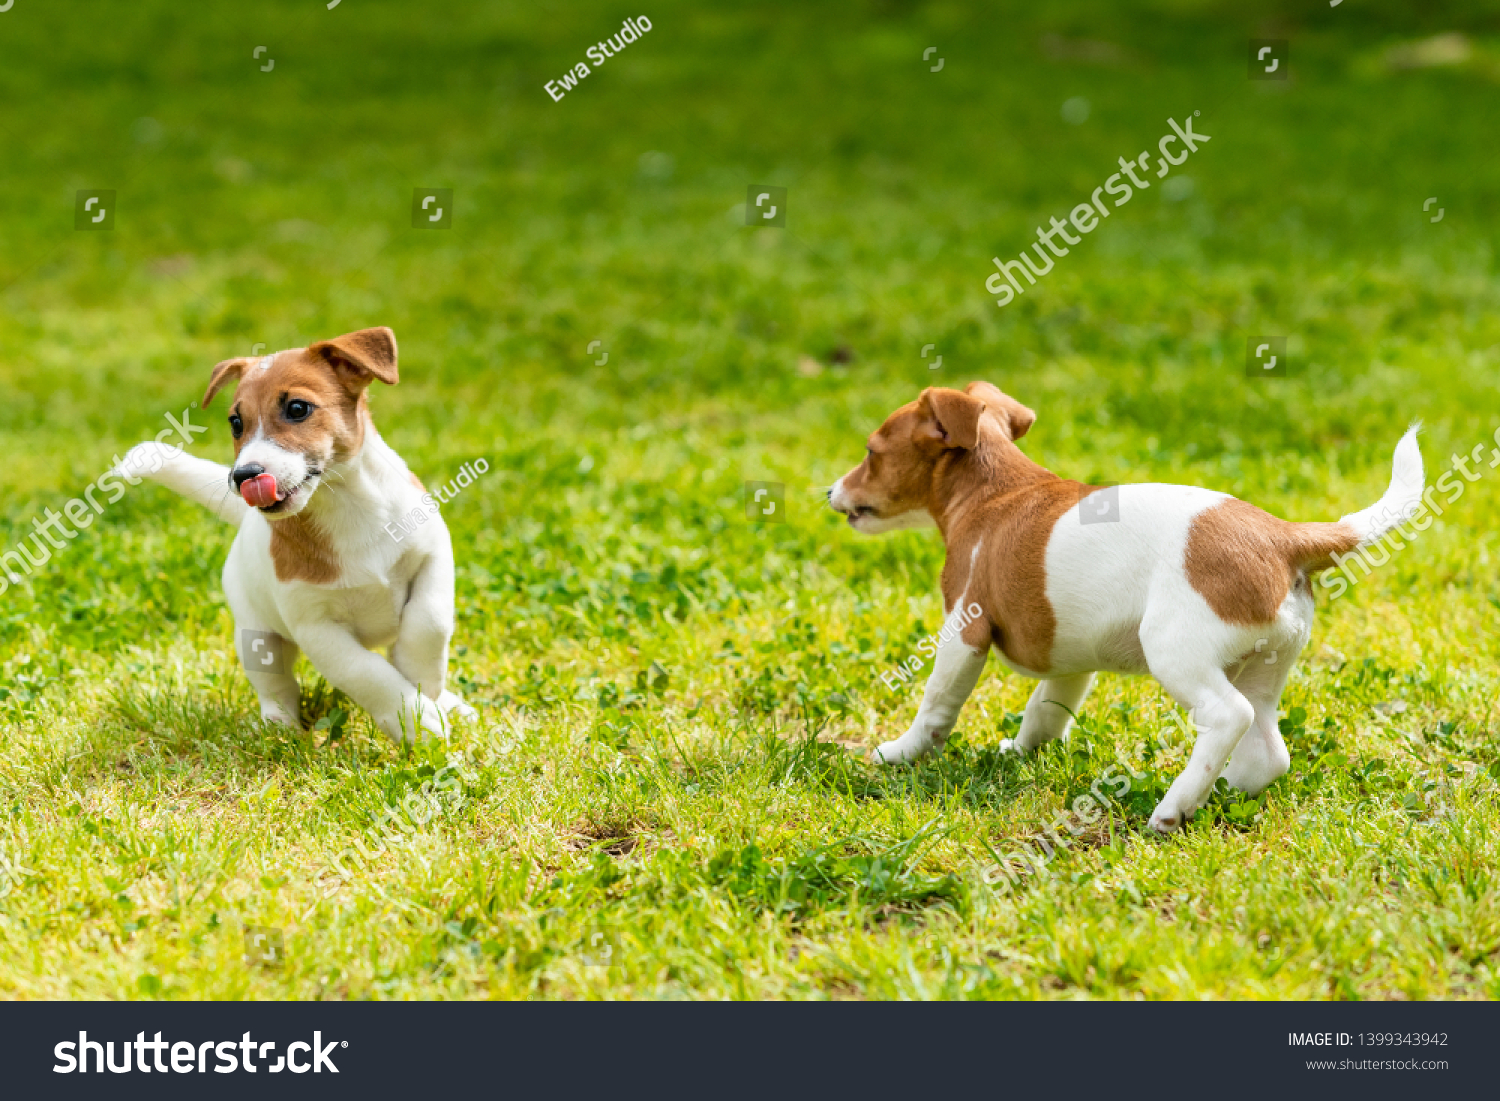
(675, 701)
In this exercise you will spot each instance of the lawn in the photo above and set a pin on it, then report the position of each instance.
(666, 795)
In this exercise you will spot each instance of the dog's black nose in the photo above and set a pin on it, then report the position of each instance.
(245, 473)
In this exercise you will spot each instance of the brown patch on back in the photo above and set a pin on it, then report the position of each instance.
(417, 482)
(1244, 561)
(300, 551)
(1010, 575)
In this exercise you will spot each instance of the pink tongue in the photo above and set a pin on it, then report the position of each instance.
(259, 491)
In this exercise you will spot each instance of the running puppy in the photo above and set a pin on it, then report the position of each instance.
(1208, 594)
(318, 571)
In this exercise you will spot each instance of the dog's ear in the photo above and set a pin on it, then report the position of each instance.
(360, 357)
(1014, 417)
(948, 418)
(223, 372)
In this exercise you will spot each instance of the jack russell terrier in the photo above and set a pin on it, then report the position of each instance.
(1183, 583)
(317, 571)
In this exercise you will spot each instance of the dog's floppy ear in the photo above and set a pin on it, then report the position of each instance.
(223, 372)
(360, 357)
(949, 417)
(1014, 417)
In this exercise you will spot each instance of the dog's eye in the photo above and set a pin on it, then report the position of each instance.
(236, 425)
(298, 410)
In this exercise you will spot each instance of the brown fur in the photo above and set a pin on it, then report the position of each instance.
(1244, 561)
(332, 375)
(301, 552)
(942, 454)
(1010, 574)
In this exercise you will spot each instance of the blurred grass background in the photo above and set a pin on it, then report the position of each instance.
(610, 535)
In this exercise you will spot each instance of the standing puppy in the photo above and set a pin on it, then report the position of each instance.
(1208, 594)
(313, 490)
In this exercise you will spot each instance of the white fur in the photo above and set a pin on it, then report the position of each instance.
(876, 525)
(1400, 500)
(955, 672)
(389, 593)
(1123, 603)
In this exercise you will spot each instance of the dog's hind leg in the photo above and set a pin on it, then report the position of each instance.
(1221, 715)
(1262, 755)
(1049, 712)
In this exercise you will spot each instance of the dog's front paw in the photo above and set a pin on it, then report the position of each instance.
(452, 705)
(144, 460)
(416, 718)
(1167, 818)
(273, 712)
(908, 747)
(1013, 746)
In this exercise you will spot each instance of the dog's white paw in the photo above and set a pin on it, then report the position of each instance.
(452, 705)
(1167, 818)
(418, 717)
(909, 747)
(144, 459)
(1011, 745)
(273, 712)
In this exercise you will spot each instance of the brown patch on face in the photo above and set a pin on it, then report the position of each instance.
(1009, 577)
(942, 453)
(300, 551)
(335, 430)
(923, 440)
(331, 375)
(1244, 561)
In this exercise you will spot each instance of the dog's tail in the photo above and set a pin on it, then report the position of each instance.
(196, 479)
(1320, 542)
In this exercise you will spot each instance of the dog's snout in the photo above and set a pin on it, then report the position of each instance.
(241, 474)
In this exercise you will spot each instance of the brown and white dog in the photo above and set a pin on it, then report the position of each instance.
(1208, 594)
(320, 571)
